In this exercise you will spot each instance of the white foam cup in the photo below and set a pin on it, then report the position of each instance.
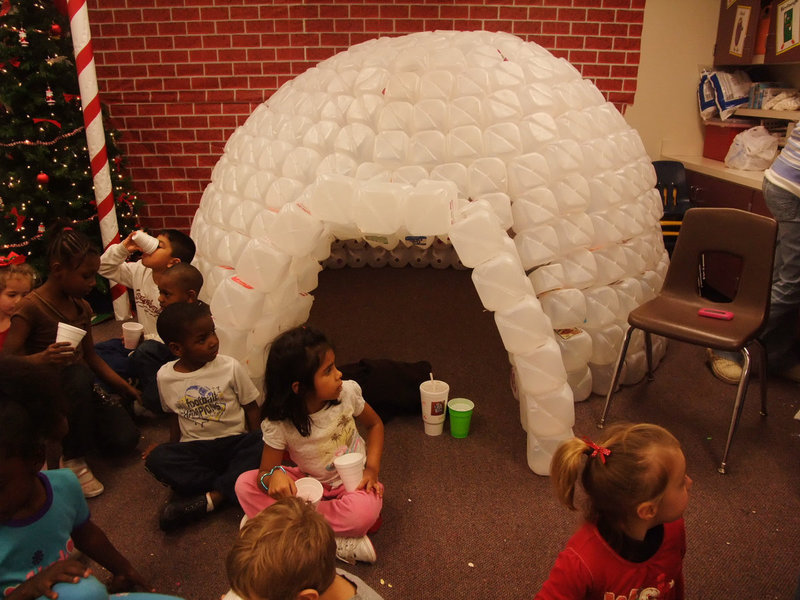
(309, 489)
(433, 394)
(131, 332)
(68, 333)
(350, 467)
(146, 242)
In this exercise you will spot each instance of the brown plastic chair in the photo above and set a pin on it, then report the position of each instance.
(674, 312)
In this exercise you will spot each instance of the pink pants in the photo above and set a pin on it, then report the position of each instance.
(350, 514)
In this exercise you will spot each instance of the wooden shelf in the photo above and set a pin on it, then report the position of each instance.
(789, 115)
(715, 168)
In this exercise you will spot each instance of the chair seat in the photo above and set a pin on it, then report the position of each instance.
(677, 318)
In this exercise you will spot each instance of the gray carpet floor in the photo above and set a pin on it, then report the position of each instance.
(466, 518)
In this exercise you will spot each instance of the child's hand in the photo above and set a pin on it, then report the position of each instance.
(57, 353)
(129, 392)
(281, 485)
(129, 244)
(63, 571)
(127, 580)
(370, 482)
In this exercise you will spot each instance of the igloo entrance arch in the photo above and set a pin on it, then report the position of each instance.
(472, 138)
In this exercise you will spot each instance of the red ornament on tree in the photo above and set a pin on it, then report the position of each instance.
(55, 31)
(23, 37)
(43, 178)
(48, 97)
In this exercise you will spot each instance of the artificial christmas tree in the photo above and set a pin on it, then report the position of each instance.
(45, 171)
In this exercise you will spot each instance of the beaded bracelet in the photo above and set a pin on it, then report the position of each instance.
(271, 471)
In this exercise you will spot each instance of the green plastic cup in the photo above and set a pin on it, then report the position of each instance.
(460, 410)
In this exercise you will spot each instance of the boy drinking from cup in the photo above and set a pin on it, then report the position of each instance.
(142, 276)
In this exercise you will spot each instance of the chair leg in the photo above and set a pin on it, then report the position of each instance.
(741, 392)
(615, 380)
(648, 351)
(762, 373)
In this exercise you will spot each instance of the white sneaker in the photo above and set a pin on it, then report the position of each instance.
(349, 550)
(91, 487)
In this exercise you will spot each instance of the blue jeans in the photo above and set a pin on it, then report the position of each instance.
(780, 331)
(778, 335)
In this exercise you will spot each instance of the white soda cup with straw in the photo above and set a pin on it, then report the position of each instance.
(433, 394)
(350, 467)
(69, 333)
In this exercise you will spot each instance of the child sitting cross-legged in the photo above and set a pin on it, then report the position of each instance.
(180, 283)
(214, 432)
(44, 518)
(288, 552)
(314, 415)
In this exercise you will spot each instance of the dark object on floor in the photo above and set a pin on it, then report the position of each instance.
(182, 511)
(390, 387)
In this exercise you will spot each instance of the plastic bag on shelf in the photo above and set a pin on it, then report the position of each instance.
(752, 150)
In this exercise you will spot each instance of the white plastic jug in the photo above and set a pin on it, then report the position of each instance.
(379, 207)
(236, 303)
(541, 370)
(537, 246)
(548, 277)
(523, 326)
(477, 235)
(262, 265)
(295, 230)
(540, 450)
(602, 306)
(332, 198)
(428, 208)
(580, 380)
(550, 413)
(500, 281)
(565, 308)
(606, 343)
(576, 347)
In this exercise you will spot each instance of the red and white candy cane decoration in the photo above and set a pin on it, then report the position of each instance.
(96, 139)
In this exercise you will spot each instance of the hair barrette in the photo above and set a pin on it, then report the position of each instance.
(595, 450)
(12, 259)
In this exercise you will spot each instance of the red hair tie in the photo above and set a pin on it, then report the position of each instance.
(596, 450)
(12, 259)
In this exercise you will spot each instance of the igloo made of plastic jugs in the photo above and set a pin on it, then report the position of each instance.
(469, 149)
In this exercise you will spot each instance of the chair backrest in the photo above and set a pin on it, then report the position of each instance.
(672, 186)
(740, 233)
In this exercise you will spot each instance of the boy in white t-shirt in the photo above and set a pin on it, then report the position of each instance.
(214, 432)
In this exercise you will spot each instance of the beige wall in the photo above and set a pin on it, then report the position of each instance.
(677, 42)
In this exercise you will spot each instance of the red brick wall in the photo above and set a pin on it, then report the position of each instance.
(179, 75)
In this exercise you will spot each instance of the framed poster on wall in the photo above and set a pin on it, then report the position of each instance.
(736, 32)
(787, 26)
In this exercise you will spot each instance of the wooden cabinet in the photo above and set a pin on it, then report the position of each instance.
(783, 39)
(736, 32)
(722, 270)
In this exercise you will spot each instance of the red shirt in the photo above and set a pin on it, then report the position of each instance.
(588, 569)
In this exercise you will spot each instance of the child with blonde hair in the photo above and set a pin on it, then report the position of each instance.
(633, 541)
(16, 282)
(288, 552)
